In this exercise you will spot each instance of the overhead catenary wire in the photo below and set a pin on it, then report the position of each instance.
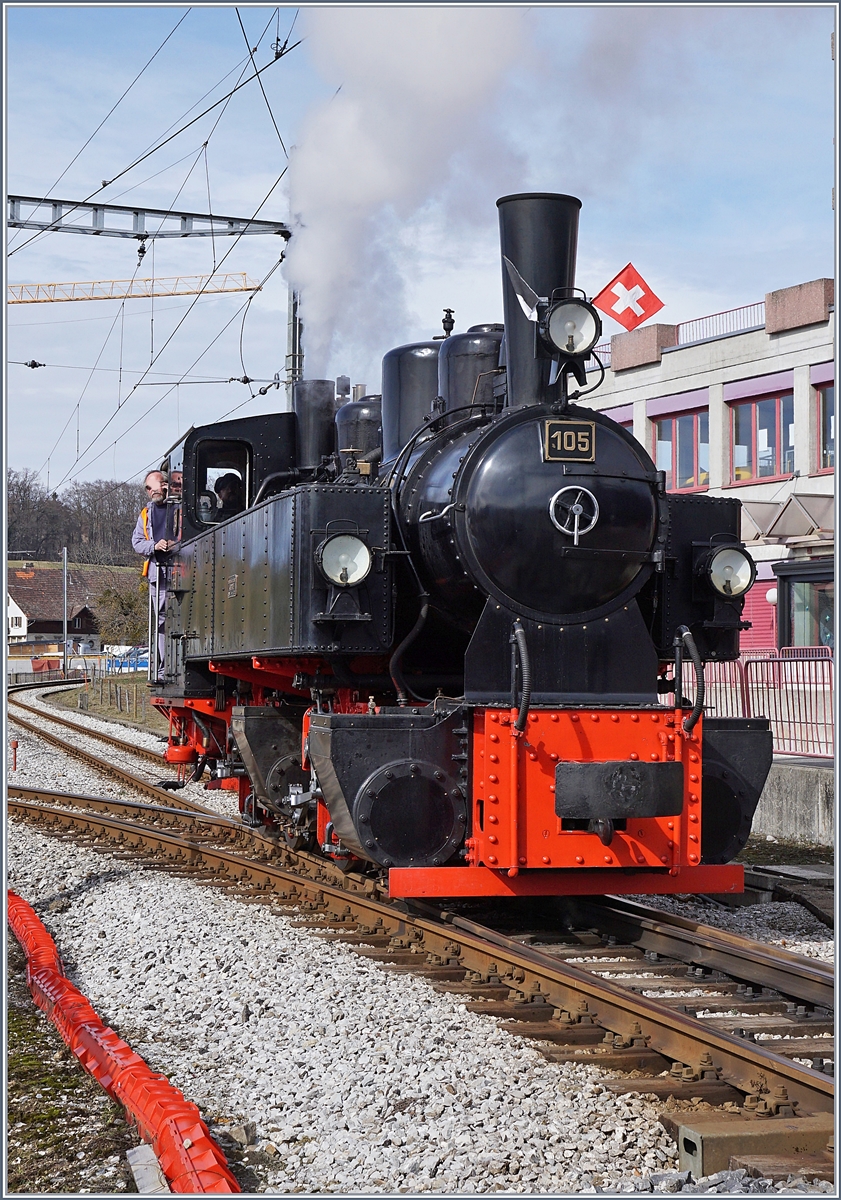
(107, 183)
(209, 299)
(111, 329)
(114, 107)
(184, 318)
(209, 207)
(160, 400)
(84, 389)
(13, 362)
(155, 175)
(219, 82)
(262, 89)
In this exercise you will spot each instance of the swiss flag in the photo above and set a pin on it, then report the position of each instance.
(628, 299)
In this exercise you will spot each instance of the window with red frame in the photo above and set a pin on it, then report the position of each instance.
(762, 438)
(683, 450)
(826, 408)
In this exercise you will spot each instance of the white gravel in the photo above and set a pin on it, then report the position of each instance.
(141, 737)
(358, 1080)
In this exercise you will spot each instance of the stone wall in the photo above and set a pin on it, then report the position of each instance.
(797, 803)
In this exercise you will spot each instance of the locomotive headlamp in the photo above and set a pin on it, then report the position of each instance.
(344, 559)
(572, 327)
(731, 571)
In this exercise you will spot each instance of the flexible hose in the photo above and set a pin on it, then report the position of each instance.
(397, 657)
(698, 707)
(525, 670)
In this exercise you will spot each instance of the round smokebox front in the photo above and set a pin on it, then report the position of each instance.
(410, 813)
(554, 533)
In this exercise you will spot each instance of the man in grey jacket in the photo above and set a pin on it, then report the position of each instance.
(150, 539)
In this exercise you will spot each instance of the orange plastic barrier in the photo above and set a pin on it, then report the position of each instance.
(190, 1159)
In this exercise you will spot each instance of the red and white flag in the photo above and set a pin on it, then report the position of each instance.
(628, 299)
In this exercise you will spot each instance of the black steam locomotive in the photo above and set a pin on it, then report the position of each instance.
(447, 636)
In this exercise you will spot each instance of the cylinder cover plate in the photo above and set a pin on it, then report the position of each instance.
(410, 814)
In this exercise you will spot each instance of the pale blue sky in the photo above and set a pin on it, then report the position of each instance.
(698, 138)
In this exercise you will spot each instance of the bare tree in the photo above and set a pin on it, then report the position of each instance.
(94, 520)
(38, 522)
(122, 610)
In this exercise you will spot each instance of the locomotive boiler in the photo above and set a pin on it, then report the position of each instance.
(458, 633)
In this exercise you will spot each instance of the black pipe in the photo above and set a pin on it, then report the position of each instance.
(289, 476)
(397, 657)
(525, 670)
(698, 707)
(208, 732)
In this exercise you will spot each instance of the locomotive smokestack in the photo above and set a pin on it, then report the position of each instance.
(538, 233)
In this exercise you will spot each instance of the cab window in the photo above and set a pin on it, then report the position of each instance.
(223, 476)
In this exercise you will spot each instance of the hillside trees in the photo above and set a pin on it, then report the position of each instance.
(94, 520)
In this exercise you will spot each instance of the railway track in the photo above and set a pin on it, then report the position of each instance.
(97, 735)
(692, 1012)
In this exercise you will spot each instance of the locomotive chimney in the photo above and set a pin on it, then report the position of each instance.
(539, 234)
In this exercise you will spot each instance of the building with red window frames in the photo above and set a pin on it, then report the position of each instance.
(742, 404)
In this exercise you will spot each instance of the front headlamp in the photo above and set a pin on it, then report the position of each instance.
(572, 327)
(731, 571)
(344, 559)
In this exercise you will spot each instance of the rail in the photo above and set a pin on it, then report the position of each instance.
(794, 688)
(535, 980)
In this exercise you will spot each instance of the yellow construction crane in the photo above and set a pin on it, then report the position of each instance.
(130, 289)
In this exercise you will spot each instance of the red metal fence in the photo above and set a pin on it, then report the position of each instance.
(794, 688)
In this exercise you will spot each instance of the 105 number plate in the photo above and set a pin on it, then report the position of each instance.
(569, 441)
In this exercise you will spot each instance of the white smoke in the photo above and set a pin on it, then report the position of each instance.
(415, 104)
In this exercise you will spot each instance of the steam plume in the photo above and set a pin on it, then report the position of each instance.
(417, 85)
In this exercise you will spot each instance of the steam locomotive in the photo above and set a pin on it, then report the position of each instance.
(447, 639)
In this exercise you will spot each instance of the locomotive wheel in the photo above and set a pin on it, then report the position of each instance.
(298, 840)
